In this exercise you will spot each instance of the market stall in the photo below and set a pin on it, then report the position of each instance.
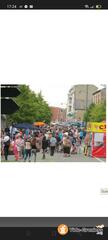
(98, 130)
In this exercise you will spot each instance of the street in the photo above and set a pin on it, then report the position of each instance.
(58, 157)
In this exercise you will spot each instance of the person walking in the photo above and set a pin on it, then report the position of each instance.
(6, 144)
(34, 149)
(81, 135)
(18, 147)
(44, 145)
(27, 149)
(58, 143)
(15, 149)
(66, 146)
(38, 142)
(53, 142)
(87, 142)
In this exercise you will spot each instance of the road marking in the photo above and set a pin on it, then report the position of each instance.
(99, 159)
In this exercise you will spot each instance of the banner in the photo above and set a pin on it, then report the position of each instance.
(99, 127)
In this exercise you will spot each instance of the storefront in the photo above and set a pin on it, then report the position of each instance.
(98, 131)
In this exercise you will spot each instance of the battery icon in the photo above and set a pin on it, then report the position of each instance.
(98, 6)
(30, 6)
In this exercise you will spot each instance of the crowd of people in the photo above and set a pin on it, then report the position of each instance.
(25, 143)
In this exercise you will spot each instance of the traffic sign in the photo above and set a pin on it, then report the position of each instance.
(9, 85)
(10, 92)
(8, 106)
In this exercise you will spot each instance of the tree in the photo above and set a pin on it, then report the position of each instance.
(33, 107)
(95, 113)
(88, 112)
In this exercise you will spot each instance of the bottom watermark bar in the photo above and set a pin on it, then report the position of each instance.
(54, 228)
(62, 232)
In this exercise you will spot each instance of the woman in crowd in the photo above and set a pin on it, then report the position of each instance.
(53, 142)
(87, 142)
(6, 143)
(28, 148)
(18, 147)
(38, 141)
(58, 142)
(33, 146)
(44, 145)
(66, 146)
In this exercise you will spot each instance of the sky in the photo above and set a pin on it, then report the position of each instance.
(55, 94)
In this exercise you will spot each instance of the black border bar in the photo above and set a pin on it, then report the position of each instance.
(53, 4)
(47, 228)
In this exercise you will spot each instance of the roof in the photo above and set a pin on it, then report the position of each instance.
(99, 90)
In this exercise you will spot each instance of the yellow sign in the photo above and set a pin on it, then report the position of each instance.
(99, 127)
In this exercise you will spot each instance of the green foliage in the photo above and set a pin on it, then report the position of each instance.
(95, 113)
(32, 107)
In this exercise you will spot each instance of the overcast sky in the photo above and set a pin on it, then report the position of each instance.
(55, 94)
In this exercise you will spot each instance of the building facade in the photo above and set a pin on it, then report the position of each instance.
(99, 96)
(58, 114)
(3, 121)
(79, 99)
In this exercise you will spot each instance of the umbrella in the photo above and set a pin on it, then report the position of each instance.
(40, 124)
(24, 126)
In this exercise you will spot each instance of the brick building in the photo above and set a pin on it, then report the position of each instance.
(99, 96)
(58, 114)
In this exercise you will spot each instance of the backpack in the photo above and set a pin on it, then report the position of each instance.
(53, 142)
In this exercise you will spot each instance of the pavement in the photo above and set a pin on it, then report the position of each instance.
(58, 157)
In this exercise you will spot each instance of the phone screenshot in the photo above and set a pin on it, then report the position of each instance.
(53, 119)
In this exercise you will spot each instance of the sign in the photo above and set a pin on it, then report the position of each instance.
(99, 127)
(8, 106)
(10, 92)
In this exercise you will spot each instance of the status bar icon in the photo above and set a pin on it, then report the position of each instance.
(86, 6)
(98, 6)
(31, 6)
(21, 6)
(26, 6)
